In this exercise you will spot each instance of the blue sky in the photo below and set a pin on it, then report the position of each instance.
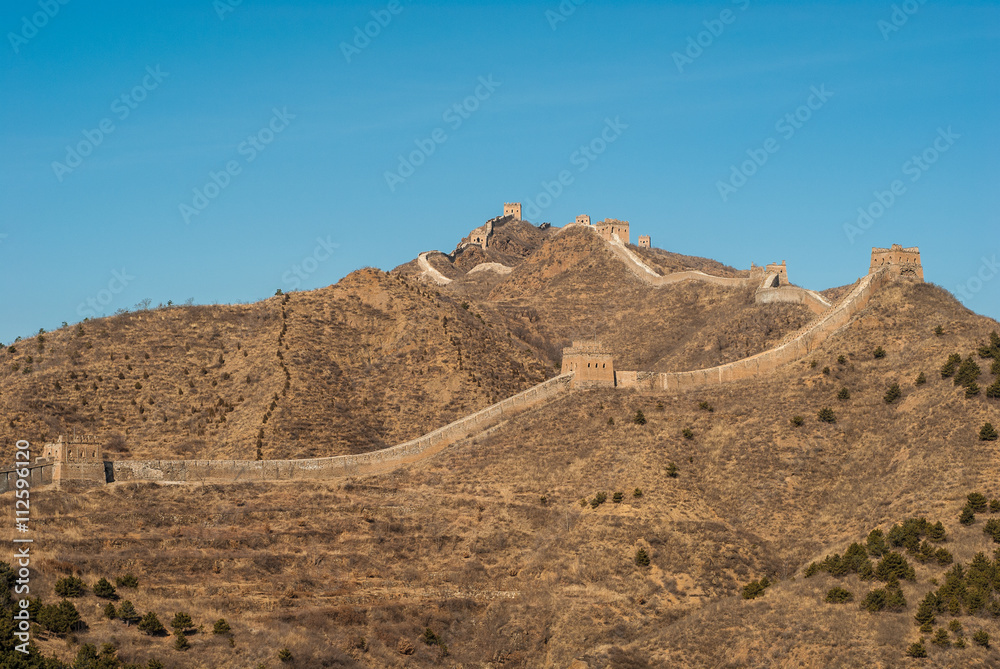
(233, 148)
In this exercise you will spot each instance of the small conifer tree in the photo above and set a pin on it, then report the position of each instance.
(892, 394)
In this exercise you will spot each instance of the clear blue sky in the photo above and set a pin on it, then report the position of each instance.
(330, 122)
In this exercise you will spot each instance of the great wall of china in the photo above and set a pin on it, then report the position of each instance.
(584, 365)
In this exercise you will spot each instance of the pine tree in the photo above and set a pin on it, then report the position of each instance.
(941, 638)
(151, 625)
(844, 394)
(672, 470)
(936, 532)
(181, 643)
(181, 623)
(917, 649)
(967, 372)
(993, 391)
(127, 613)
(639, 418)
(948, 369)
(926, 609)
(892, 394)
(977, 502)
(988, 433)
(982, 638)
(876, 543)
(921, 379)
(967, 517)
(71, 586)
(827, 415)
(109, 611)
(641, 557)
(104, 589)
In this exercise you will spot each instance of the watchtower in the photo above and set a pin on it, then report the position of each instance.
(901, 261)
(512, 209)
(780, 272)
(644, 242)
(583, 219)
(609, 228)
(590, 363)
(79, 460)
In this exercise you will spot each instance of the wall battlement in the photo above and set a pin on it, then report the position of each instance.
(590, 364)
(78, 460)
(610, 228)
(901, 261)
(512, 209)
(645, 242)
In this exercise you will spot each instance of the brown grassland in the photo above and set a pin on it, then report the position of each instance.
(493, 543)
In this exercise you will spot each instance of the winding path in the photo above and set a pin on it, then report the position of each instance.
(430, 271)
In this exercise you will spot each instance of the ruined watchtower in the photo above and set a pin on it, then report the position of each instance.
(779, 273)
(901, 261)
(644, 241)
(590, 363)
(79, 460)
(610, 228)
(512, 209)
(583, 219)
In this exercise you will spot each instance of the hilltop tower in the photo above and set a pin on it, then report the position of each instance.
(644, 242)
(781, 272)
(79, 460)
(610, 227)
(583, 219)
(590, 363)
(901, 261)
(512, 209)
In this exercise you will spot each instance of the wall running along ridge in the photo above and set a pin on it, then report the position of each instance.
(801, 345)
(38, 474)
(234, 471)
(430, 271)
(765, 292)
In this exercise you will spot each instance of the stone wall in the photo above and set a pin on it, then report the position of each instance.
(794, 295)
(589, 363)
(635, 264)
(233, 471)
(38, 474)
(901, 261)
(796, 348)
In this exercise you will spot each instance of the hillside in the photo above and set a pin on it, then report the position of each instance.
(496, 547)
(574, 287)
(371, 361)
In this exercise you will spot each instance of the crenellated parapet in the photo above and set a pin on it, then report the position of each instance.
(904, 262)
